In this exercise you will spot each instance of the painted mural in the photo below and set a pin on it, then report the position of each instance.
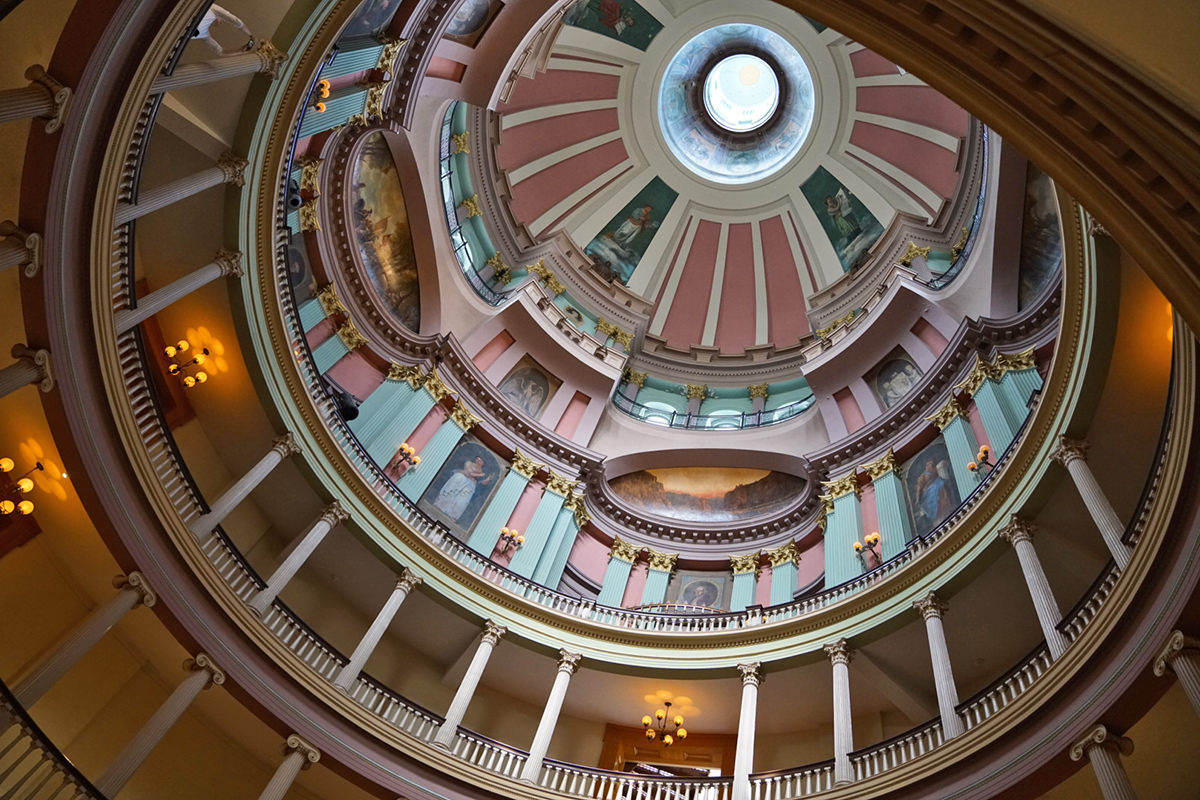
(706, 589)
(895, 377)
(372, 17)
(1041, 237)
(529, 386)
(707, 494)
(623, 20)
(932, 492)
(851, 228)
(619, 247)
(382, 233)
(470, 20)
(463, 485)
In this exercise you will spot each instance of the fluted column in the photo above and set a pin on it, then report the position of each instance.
(370, 640)
(203, 525)
(382, 406)
(843, 732)
(567, 664)
(1104, 749)
(298, 755)
(537, 533)
(470, 681)
(785, 573)
(843, 527)
(1179, 655)
(891, 504)
(84, 636)
(228, 169)
(44, 98)
(501, 505)
(1072, 454)
(658, 576)
(19, 247)
(435, 452)
(745, 580)
(226, 264)
(571, 517)
(743, 759)
(931, 609)
(202, 674)
(283, 574)
(32, 366)
(265, 59)
(616, 575)
(1019, 532)
(961, 445)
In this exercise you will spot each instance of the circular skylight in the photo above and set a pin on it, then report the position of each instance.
(736, 103)
(741, 92)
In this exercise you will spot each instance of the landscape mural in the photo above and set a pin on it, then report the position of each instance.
(381, 231)
(617, 249)
(623, 20)
(932, 492)
(851, 228)
(707, 494)
(463, 485)
(529, 386)
(1041, 237)
(707, 589)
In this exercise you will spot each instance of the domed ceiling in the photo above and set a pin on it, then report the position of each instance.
(722, 162)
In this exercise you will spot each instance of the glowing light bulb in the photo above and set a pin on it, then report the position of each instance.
(7, 506)
(660, 714)
(320, 108)
(170, 350)
(25, 485)
(182, 345)
(646, 721)
(189, 381)
(667, 740)
(201, 377)
(416, 460)
(6, 464)
(681, 733)
(25, 507)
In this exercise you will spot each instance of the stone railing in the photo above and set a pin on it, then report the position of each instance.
(30, 765)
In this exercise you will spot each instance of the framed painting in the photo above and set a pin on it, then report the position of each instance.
(704, 589)
(929, 484)
(707, 494)
(894, 377)
(463, 485)
(471, 20)
(529, 386)
(851, 228)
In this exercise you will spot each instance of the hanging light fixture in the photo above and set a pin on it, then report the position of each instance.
(11, 500)
(664, 727)
(184, 369)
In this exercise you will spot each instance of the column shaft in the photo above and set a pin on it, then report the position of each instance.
(743, 759)
(744, 586)
(1044, 603)
(996, 415)
(26, 102)
(943, 677)
(895, 525)
(311, 313)
(1106, 519)
(961, 446)
(20, 373)
(843, 733)
(285, 775)
(374, 634)
(163, 196)
(554, 560)
(616, 577)
(1106, 765)
(287, 570)
(655, 590)
(784, 582)
(203, 525)
(382, 445)
(1187, 669)
(537, 535)
(328, 353)
(433, 456)
(541, 739)
(151, 304)
(466, 687)
(842, 528)
(12, 253)
(202, 72)
(487, 530)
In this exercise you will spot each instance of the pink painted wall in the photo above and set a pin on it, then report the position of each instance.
(675, 262)
(526, 505)
(762, 591)
(848, 407)
(446, 69)
(427, 427)
(488, 354)
(685, 321)
(540, 192)
(524, 143)
(920, 104)
(812, 564)
(812, 275)
(569, 422)
(356, 375)
(977, 426)
(736, 315)
(930, 335)
(636, 585)
(560, 86)
(869, 511)
(868, 62)
(589, 557)
(319, 333)
(786, 320)
(931, 164)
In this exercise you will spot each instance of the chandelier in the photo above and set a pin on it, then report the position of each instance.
(663, 726)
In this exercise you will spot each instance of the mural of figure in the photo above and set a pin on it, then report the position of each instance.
(839, 210)
(640, 220)
(456, 493)
(701, 593)
(896, 378)
(933, 495)
(528, 387)
(214, 17)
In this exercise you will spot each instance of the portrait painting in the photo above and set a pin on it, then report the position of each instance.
(701, 589)
(1041, 238)
(707, 494)
(851, 228)
(470, 20)
(621, 244)
(895, 377)
(623, 20)
(381, 231)
(528, 386)
(372, 17)
(461, 488)
(929, 483)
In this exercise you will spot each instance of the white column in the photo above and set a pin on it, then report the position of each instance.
(32, 366)
(1104, 750)
(1179, 656)
(1019, 532)
(265, 58)
(1072, 454)
(370, 639)
(843, 731)
(743, 759)
(44, 97)
(466, 687)
(283, 574)
(298, 755)
(134, 590)
(204, 673)
(567, 664)
(18, 247)
(203, 525)
(225, 264)
(228, 169)
(931, 608)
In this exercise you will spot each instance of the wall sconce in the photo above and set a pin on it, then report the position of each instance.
(11, 500)
(323, 93)
(407, 455)
(512, 539)
(664, 727)
(981, 467)
(872, 546)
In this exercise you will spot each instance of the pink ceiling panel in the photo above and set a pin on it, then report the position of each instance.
(919, 104)
(560, 86)
(786, 320)
(685, 320)
(530, 141)
(540, 192)
(735, 320)
(932, 165)
(868, 62)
